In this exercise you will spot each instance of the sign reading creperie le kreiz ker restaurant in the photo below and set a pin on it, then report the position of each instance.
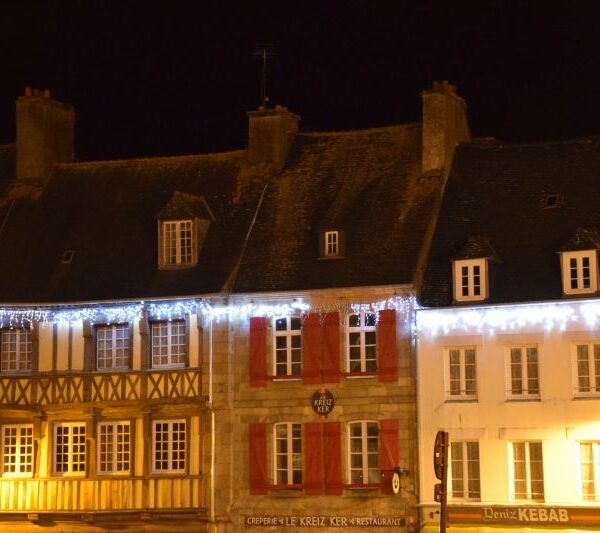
(529, 516)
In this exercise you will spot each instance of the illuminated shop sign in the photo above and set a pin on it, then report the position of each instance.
(324, 521)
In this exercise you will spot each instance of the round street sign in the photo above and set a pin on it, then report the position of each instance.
(396, 483)
(322, 402)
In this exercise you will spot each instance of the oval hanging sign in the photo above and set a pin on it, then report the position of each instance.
(323, 402)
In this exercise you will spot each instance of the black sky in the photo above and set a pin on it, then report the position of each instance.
(174, 77)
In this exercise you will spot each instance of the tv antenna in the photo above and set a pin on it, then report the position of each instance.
(263, 52)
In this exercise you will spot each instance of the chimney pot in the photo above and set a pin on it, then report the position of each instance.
(46, 93)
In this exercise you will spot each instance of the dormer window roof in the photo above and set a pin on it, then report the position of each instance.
(579, 263)
(471, 271)
(182, 227)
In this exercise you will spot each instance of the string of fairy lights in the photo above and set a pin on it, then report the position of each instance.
(23, 316)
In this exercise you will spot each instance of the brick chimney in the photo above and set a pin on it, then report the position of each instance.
(45, 129)
(444, 126)
(271, 134)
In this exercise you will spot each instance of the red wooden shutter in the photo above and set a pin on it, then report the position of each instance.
(332, 457)
(389, 455)
(386, 346)
(258, 351)
(331, 348)
(257, 444)
(313, 458)
(311, 349)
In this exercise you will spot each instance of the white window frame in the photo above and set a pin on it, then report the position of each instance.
(331, 242)
(594, 495)
(293, 458)
(20, 450)
(113, 349)
(174, 351)
(459, 469)
(72, 462)
(470, 280)
(362, 330)
(593, 367)
(172, 446)
(118, 452)
(462, 394)
(525, 367)
(173, 240)
(22, 355)
(366, 472)
(293, 369)
(575, 272)
(528, 469)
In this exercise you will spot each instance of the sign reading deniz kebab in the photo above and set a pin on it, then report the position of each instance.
(324, 521)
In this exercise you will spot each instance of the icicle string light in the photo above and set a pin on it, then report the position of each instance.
(16, 317)
(490, 320)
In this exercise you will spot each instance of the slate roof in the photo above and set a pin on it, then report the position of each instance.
(365, 182)
(500, 192)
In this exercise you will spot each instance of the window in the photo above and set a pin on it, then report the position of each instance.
(16, 350)
(168, 446)
(587, 369)
(461, 374)
(169, 343)
(114, 447)
(364, 453)
(528, 471)
(17, 450)
(579, 272)
(523, 377)
(464, 470)
(589, 455)
(362, 342)
(332, 243)
(288, 454)
(69, 448)
(177, 242)
(470, 280)
(288, 346)
(112, 346)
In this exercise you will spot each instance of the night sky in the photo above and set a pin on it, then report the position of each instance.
(175, 77)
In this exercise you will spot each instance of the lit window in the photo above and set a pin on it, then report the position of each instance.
(362, 342)
(527, 471)
(464, 470)
(112, 347)
(287, 346)
(364, 453)
(114, 447)
(523, 373)
(470, 280)
(587, 369)
(589, 455)
(332, 243)
(169, 343)
(16, 350)
(17, 450)
(69, 448)
(168, 446)
(177, 242)
(461, 374)
(579, 272)
(288, 454)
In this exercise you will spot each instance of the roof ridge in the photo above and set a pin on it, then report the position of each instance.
(354, 132)
(476, 143)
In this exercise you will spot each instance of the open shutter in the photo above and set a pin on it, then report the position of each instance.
(386, 346)
(313, 458)
(257, 444)
(389, 455)
(331, 348)
(332, 457)
(258, 352)
(311, 349)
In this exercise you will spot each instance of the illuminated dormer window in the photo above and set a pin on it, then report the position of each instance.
(579, 272)
(177, 242)
(332, 243)
(470, 280)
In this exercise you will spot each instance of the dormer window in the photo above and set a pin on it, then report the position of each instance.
(579, 272)
(470, 280)
(177, 242)
(332, 243)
